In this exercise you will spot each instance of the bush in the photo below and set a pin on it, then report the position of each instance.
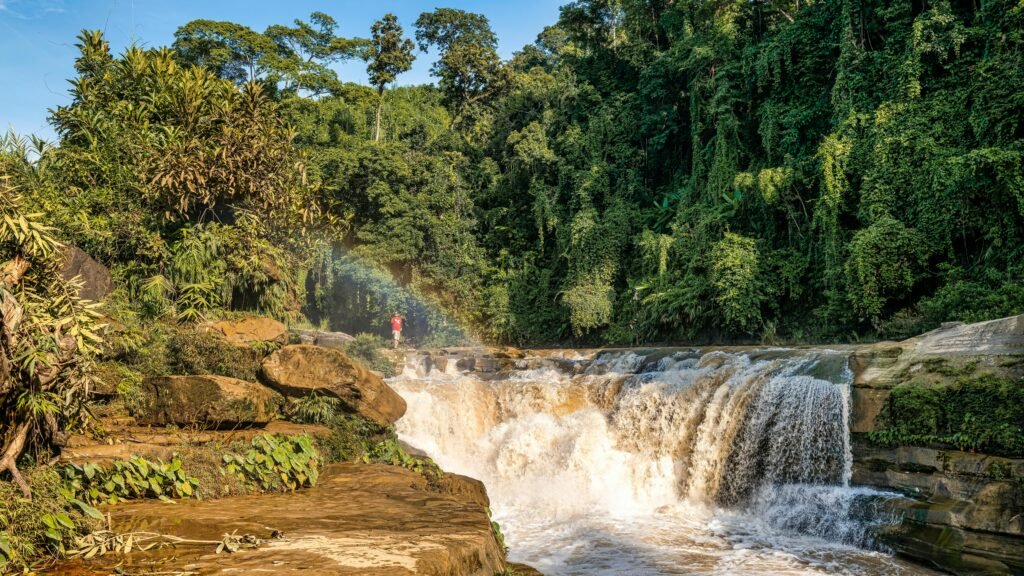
(983, 413)
(173, 350)
(126, 480)
(369, 350)
(277, 463)
(40, 527)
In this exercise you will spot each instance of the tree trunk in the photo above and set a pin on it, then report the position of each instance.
(376, 124)
(9, 459)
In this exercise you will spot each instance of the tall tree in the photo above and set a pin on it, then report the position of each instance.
(469, 67)
(230, 50)
(305, 51)
(388, 56)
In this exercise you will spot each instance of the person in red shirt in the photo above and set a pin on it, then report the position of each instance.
(396, 328)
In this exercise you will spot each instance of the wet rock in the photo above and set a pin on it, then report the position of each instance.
(867, 406)
(465, 488)
(485, 364)
(955, 550)
(208, 401)
(96, 280)
(298, 370)
(969, 514)
(361, 519)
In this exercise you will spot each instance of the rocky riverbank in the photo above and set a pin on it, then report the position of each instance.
(359, 519)
(374, 509)
(968, 514)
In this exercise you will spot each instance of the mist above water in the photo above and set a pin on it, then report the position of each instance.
(661, 462)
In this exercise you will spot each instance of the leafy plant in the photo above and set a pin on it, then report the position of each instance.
(135, 478)
(390, 451)
(369, 349)
(50, 335)
(982, 412)
(315, 409)
(496, 530)
(277, 462)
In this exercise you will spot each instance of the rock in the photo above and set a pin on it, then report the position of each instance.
(216, 402)
(95, 277)
(969, 515)
(867, 405)
(298, 370)
(246, 331)
(336, 340)
(360, 519)
(523, 570)
(508, 352)
(121, 442)
(465, 488)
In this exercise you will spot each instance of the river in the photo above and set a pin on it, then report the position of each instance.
(651, 462)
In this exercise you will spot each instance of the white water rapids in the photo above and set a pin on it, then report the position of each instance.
(660, 462)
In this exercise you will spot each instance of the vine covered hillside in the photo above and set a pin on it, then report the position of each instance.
(819, 171)
(645, 171)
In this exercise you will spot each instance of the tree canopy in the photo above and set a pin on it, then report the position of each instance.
(645, 171)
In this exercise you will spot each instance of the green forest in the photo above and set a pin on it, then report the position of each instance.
(646, 171)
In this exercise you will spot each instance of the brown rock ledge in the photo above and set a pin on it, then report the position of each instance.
(367, 519)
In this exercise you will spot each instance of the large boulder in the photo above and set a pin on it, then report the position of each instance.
(214, 402)
(246, 331)
(96, 280)
(298, 370)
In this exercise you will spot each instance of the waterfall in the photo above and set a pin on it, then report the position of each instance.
(748, 443)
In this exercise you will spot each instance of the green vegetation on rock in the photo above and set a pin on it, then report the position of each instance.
(983, 413)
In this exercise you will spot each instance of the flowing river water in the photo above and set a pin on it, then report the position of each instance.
(661, 461)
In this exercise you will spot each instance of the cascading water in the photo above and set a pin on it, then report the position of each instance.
(661, 462)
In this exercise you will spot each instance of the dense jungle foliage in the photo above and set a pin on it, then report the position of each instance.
(645, 171)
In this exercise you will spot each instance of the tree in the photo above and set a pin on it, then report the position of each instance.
(230, 50)
(297, 57)
(159, 162)
(389, 55)
(469, 67)
(47, 335)
(304, 52)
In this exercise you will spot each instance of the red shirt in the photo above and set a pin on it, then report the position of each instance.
(396, 323)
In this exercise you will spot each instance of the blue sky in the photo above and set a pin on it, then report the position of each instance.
(37, 37)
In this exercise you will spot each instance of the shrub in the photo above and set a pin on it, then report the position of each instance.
(315, 409)
(984, 413)
(369, 350)
(126, 480)
(277, 462)
(42, 526)
(735, 273)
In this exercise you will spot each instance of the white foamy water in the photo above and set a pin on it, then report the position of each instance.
(661, 462)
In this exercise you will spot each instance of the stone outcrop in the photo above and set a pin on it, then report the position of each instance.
(121, 441)
(298, 370)
(336, 340)
(968, 513)
(246, 331)
(96, 280)
(361, 519)
(215, 402)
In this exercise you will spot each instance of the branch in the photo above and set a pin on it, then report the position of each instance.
(10, 457)
(14, 270)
